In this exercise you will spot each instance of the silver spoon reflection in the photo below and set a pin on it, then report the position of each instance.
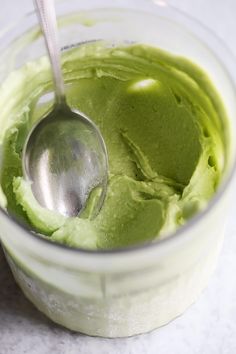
(64, 156)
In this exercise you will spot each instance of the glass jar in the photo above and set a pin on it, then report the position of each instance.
(122, 292)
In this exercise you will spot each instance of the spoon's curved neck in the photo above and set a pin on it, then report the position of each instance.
(47, 19)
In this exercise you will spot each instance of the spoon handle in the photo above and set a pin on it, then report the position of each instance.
(48, 22)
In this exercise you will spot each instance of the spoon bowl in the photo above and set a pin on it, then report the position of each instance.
(65, 159)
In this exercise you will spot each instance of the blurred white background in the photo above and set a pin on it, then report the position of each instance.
(208, 327)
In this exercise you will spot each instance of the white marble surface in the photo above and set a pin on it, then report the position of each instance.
(208, 327)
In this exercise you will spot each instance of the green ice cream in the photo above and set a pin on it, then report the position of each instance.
(164, 127)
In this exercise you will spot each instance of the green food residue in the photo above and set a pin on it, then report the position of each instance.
(164, 127)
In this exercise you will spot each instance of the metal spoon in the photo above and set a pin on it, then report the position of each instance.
(64, 156)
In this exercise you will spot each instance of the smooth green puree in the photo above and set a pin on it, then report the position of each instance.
(164, 127)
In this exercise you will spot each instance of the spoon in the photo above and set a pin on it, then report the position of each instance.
(64, 156)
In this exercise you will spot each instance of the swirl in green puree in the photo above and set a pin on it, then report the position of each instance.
(164, 126)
